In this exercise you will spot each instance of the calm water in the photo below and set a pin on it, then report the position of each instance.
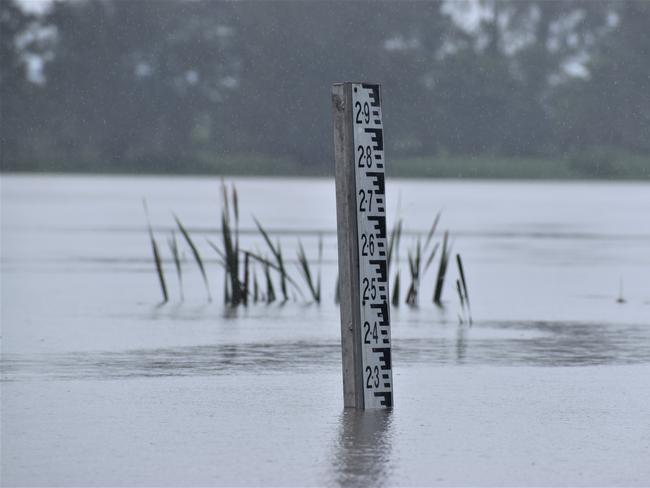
(102, 386)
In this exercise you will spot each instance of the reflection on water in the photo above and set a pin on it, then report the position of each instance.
(362, 449)
(461, 345)
(507, 344)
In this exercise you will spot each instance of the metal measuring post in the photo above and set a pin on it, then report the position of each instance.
(363, 264)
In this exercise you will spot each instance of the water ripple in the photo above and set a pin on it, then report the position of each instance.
(499, 344)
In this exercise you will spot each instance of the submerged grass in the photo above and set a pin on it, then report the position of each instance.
(241, 285)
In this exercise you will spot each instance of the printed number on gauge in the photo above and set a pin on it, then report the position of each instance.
(367, 245)
(369, 290)
(370, 333)
(365, 156)
(373, 377)
(365, 194)
(363, 112)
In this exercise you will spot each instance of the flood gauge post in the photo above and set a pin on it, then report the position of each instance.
(362, 245)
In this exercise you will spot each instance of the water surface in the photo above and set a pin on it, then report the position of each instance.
(101, 385)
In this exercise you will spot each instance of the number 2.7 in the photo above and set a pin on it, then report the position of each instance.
(363, 194)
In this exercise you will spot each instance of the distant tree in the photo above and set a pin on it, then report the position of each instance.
(610, 107)
(133, 81)
(176, 85)
(15, 88)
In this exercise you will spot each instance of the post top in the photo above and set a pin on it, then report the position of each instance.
(355, 83)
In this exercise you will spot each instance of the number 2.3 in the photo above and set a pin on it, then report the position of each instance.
(373, 377)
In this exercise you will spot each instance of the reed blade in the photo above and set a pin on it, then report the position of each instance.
(195, 253)
(395, 298)
(270, 291)
(226, 286)
(414, 260)
(461, 271)
(246, 279)
(266, 237)
(393, 243)
(156, 255)
(173, 246)
(409, 300)
(224, 194)
(275, 267)
(235, 206)
(432, 230)
(256, 288)
(218, 251)
(320, 264)
(277, 253)
(442, 270)
(235, 202)
(232, 260)
(283, 273)
(461, 315)
(303, 263)
(431, 256)
(460, 294)
(159, 269)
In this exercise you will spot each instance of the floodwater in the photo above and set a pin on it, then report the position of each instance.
(102, 385)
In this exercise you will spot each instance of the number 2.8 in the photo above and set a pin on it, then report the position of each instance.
(365, 156)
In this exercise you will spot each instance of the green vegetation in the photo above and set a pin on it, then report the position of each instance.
(584, 165)
(591, 165)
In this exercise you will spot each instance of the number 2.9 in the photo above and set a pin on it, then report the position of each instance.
(363, 112)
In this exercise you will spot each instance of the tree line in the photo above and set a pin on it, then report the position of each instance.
(208, 86)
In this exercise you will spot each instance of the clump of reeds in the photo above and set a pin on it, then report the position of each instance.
(241, 285)
(236, 287)
(237, 282)
(415, 259)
